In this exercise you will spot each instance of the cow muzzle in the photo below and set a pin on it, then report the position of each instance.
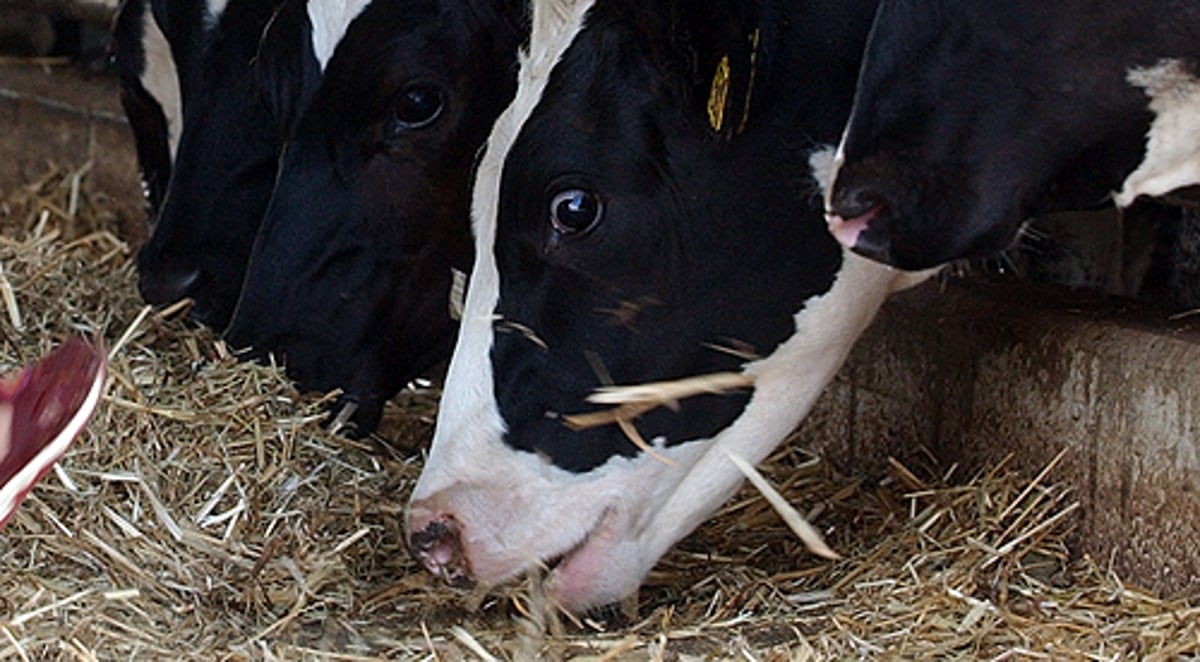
(435, 539)
(468, 549)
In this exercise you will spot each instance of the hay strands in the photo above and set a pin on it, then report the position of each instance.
(629, 402)
(807, 533)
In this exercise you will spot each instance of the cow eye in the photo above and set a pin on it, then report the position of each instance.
(575, 210)
(417, 106)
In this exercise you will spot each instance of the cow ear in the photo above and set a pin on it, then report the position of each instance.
(724, 39)
(285, 77)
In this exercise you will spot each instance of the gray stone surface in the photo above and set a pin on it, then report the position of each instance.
(976, 373)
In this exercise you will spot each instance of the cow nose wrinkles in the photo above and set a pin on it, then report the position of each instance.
(435, 539)
(167, 287)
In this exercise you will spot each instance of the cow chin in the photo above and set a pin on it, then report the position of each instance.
(597, 533)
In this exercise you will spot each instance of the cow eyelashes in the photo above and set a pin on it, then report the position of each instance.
(417, 106)
(575, 211)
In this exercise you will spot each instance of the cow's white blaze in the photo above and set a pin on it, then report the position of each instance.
(516, 509)
(330, 19)
(824, 164)
(160, 78)
(469, 418)
(1172, 157)
(215, 9)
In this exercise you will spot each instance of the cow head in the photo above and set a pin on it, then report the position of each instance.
(972, 115)
(239, 100)
(635, 221)
(350, 276)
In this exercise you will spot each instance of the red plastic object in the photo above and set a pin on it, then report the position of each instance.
(42, 409)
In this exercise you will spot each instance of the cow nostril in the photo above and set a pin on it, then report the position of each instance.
(853, 202)
(438, 546)
(167, 287)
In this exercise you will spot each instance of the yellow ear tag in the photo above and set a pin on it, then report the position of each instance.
(718, 95)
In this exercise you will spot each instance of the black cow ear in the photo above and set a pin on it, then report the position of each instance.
(724, 39)
(286, 77)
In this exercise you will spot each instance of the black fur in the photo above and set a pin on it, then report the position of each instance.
(183, 24)
(972, 115)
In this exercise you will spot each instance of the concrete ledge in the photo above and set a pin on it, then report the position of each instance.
(975, 373)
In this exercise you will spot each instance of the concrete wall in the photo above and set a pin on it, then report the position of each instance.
(974, 373)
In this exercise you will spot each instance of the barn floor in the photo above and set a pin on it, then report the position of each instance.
(206, 514)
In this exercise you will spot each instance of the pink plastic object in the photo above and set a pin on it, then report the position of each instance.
(42, 409)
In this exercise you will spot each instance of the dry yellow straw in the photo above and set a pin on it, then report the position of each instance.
(807, 533)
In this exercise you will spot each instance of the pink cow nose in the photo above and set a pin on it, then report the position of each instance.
(435, 539)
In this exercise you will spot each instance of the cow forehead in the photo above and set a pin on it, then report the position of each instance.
(555, 26)
(330, 20)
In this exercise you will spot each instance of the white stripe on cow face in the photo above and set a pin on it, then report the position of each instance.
(330, 19)
(464, 425)
(1173, 145)
(786, 386)
(160, 78)
(213, 15)
(824, 164)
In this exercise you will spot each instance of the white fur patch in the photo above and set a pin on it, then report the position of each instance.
(822, 163)
(160, 78)
(330, 19)
(214, 10)
(1173, 145)
(787, 384)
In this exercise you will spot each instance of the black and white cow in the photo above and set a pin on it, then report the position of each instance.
(240, 97)
(352, 269)
(350, 276)
(640, 216)
(972, 115)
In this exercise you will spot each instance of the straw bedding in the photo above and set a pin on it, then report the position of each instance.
(207, 514)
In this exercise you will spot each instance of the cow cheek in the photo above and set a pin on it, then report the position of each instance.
(605, 569)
